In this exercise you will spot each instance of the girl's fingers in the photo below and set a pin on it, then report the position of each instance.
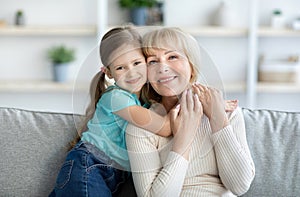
(201, 87)
(231, 105)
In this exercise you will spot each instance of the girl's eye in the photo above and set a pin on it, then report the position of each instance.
(137, 63)
(119, 67)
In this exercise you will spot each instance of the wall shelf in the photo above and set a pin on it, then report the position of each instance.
(238, 87)
(48, 30)
(214, 31)
(271, 32)
(38, 86)
(264, 87)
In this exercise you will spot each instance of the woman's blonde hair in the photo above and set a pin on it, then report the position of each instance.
(172, 38)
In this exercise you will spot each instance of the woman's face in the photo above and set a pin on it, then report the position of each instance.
(169, 71)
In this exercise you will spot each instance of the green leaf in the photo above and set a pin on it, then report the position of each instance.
(61, 54)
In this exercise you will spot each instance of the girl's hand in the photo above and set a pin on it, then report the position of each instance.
(231, 105)
(185, 119)
(213, 106)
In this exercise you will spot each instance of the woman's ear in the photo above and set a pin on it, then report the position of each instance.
(193, 74)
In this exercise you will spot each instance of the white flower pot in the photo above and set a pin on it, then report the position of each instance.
(60, 72)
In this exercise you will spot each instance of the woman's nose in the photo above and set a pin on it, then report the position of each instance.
(163, 68)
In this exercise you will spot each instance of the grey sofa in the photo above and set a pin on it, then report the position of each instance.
(34, 144)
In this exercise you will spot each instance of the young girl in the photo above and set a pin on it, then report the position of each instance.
(98, 163)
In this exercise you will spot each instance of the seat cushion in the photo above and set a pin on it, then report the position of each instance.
(274, 142)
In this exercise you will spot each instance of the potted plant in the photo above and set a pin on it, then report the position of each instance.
(19, 18)
(138, 9)
(60, 57)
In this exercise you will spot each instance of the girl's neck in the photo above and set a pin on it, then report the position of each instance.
(169, 102)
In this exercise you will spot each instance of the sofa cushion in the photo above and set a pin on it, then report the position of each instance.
(33, 147)
(274, 142)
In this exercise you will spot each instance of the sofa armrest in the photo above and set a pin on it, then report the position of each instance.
(33, 146)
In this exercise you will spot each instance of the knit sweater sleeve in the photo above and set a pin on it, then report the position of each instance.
(235, 165)
(153, 175)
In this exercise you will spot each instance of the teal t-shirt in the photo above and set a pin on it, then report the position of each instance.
(106, 130)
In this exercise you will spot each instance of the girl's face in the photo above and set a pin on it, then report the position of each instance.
(129, 70)
(169, 71)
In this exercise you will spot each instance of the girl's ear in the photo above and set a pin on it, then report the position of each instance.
(108, 73)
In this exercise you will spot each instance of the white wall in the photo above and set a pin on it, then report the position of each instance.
(193, 12)
(24, 57)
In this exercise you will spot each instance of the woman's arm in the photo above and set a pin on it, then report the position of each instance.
(236, 167)
(146, 119)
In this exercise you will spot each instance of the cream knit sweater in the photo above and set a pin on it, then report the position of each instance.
(219, 164)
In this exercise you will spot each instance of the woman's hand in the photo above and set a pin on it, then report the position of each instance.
(213, 106)
(185, 119)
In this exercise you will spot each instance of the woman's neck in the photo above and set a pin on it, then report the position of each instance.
(169, 102)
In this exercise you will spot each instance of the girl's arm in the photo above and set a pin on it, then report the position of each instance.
(146, 119)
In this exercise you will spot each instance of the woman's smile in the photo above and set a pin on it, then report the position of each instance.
(166, 79)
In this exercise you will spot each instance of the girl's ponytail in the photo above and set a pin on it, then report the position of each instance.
(97, 88)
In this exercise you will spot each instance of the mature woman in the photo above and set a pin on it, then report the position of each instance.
(208, 154)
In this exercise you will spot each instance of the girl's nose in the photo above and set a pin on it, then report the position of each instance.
(131, 71)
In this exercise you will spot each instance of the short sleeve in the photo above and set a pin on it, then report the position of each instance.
(117, 99)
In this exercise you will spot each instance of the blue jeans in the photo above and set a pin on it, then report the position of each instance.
(87, 171)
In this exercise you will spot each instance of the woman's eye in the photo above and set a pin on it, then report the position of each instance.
(171, 57)
(151, 62)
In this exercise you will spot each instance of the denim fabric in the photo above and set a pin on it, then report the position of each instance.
(87, 171)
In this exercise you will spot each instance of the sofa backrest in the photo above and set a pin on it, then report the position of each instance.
(33, 146)
(274, 141)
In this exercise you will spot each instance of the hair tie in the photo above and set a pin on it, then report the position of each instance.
(103, 69)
